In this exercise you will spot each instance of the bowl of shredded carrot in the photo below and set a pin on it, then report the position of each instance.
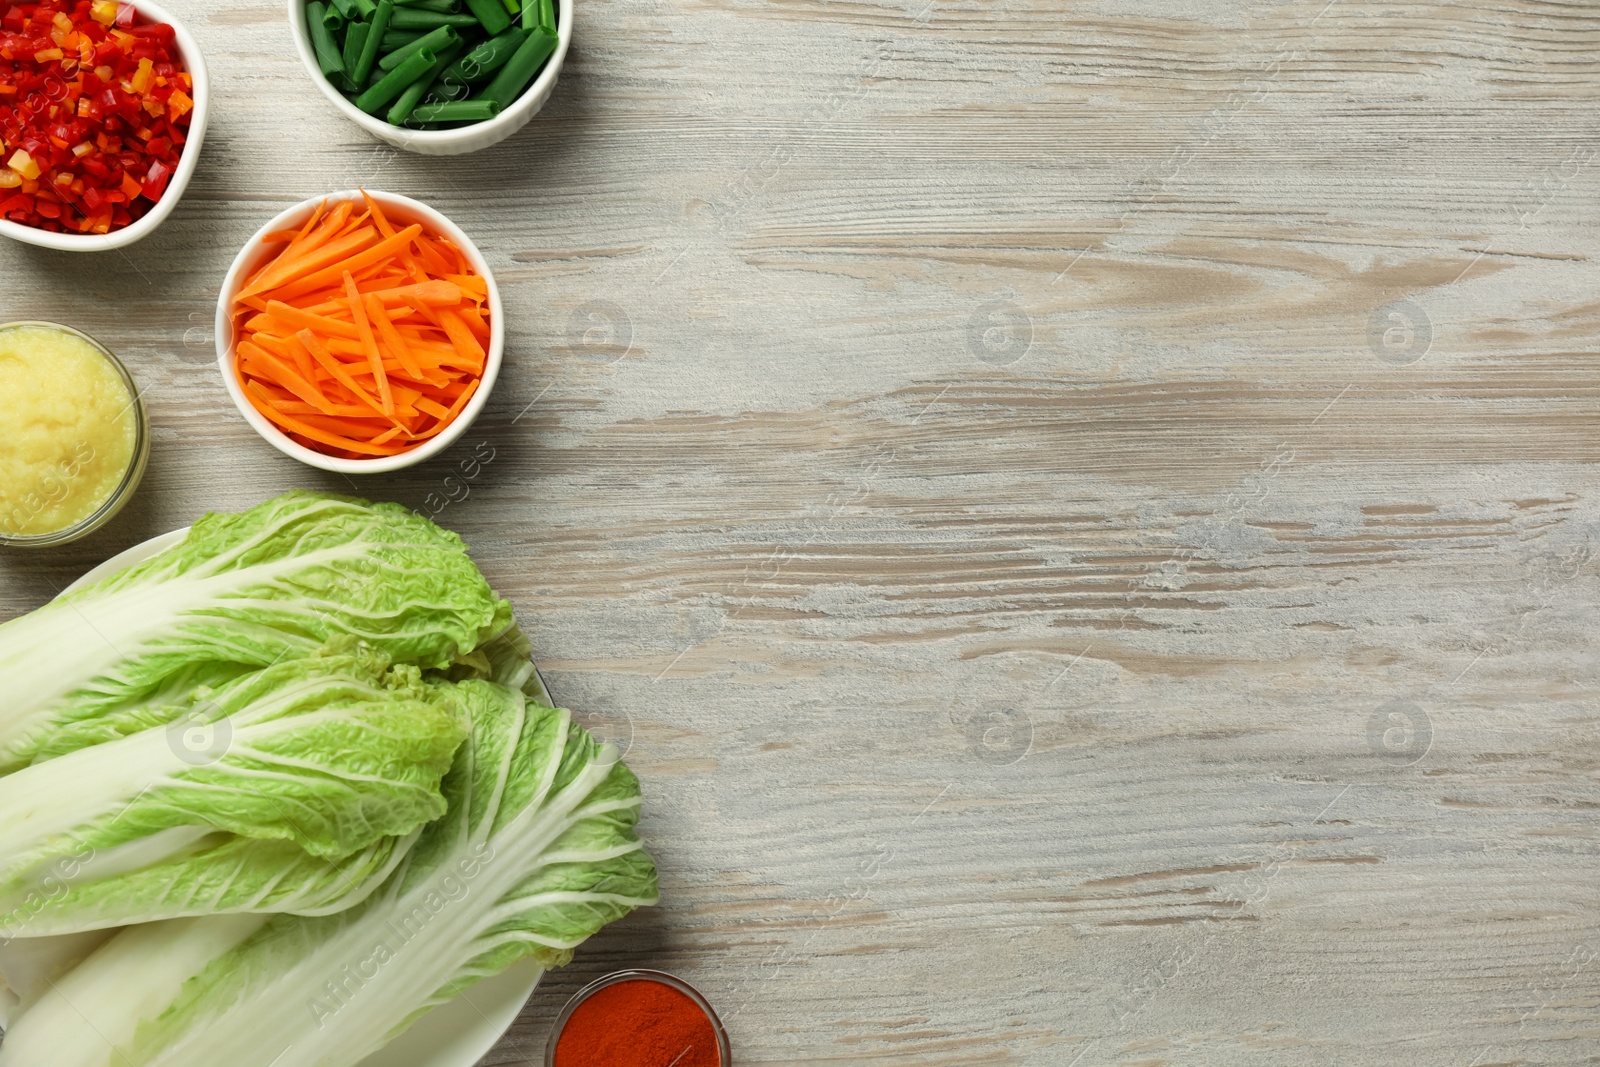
(360, 332)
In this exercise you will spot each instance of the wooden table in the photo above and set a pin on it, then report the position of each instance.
(1086, 514)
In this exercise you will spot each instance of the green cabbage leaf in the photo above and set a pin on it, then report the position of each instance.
(242, 591)
(297, 788)
(535, 853)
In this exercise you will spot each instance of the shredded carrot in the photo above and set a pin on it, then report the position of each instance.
(337, 370)
(433, 407)
(357, 222)
(425, 310)
(301, 262)
(311, 223)
(377, 215)
(290, 422)
(357, 338)
(296, 383)
(314, 237)
(433, 293)
(432, 259)
(391, 336)
(328, 271)
(332, 224)
(472, 283)
(296, 319)
(461, 337)
(468, 313)
(455, 409)
(369, 343)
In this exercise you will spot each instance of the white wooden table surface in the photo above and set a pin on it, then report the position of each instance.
(1086, 512)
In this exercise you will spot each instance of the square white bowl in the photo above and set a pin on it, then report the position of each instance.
(195, 64)
(255, 251)
(454, 142)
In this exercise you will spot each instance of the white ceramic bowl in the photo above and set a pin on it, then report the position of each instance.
(195, 64)
(442, 142)
(400, 209)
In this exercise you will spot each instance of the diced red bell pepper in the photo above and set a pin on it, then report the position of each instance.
(103, 155)
(156, 182)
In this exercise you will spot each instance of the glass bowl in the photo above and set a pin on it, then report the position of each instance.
(724, 1052)
(136, 464)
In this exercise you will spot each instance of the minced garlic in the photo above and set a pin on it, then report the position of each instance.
(68, 430)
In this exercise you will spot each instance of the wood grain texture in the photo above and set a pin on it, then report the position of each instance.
(1085, 513)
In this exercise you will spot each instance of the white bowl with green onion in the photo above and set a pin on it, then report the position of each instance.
(436, 77)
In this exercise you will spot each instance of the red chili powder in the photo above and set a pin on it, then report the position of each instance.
(638, 1023)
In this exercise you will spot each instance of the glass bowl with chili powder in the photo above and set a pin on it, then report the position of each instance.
(638, 1018)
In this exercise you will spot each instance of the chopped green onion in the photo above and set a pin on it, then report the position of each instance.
(355, 39)
(401, 111)
(456, 111)
(491, 15)
(520, 69)
(409, 18)
(328, 58)
(369, 47)
(485, 59)
(392, 84)
(436, 41)
(396, 39)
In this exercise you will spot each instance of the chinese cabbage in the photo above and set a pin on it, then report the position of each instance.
(279, 581)
(536, 853)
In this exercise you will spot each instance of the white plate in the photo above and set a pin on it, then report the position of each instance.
(457, 1034)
